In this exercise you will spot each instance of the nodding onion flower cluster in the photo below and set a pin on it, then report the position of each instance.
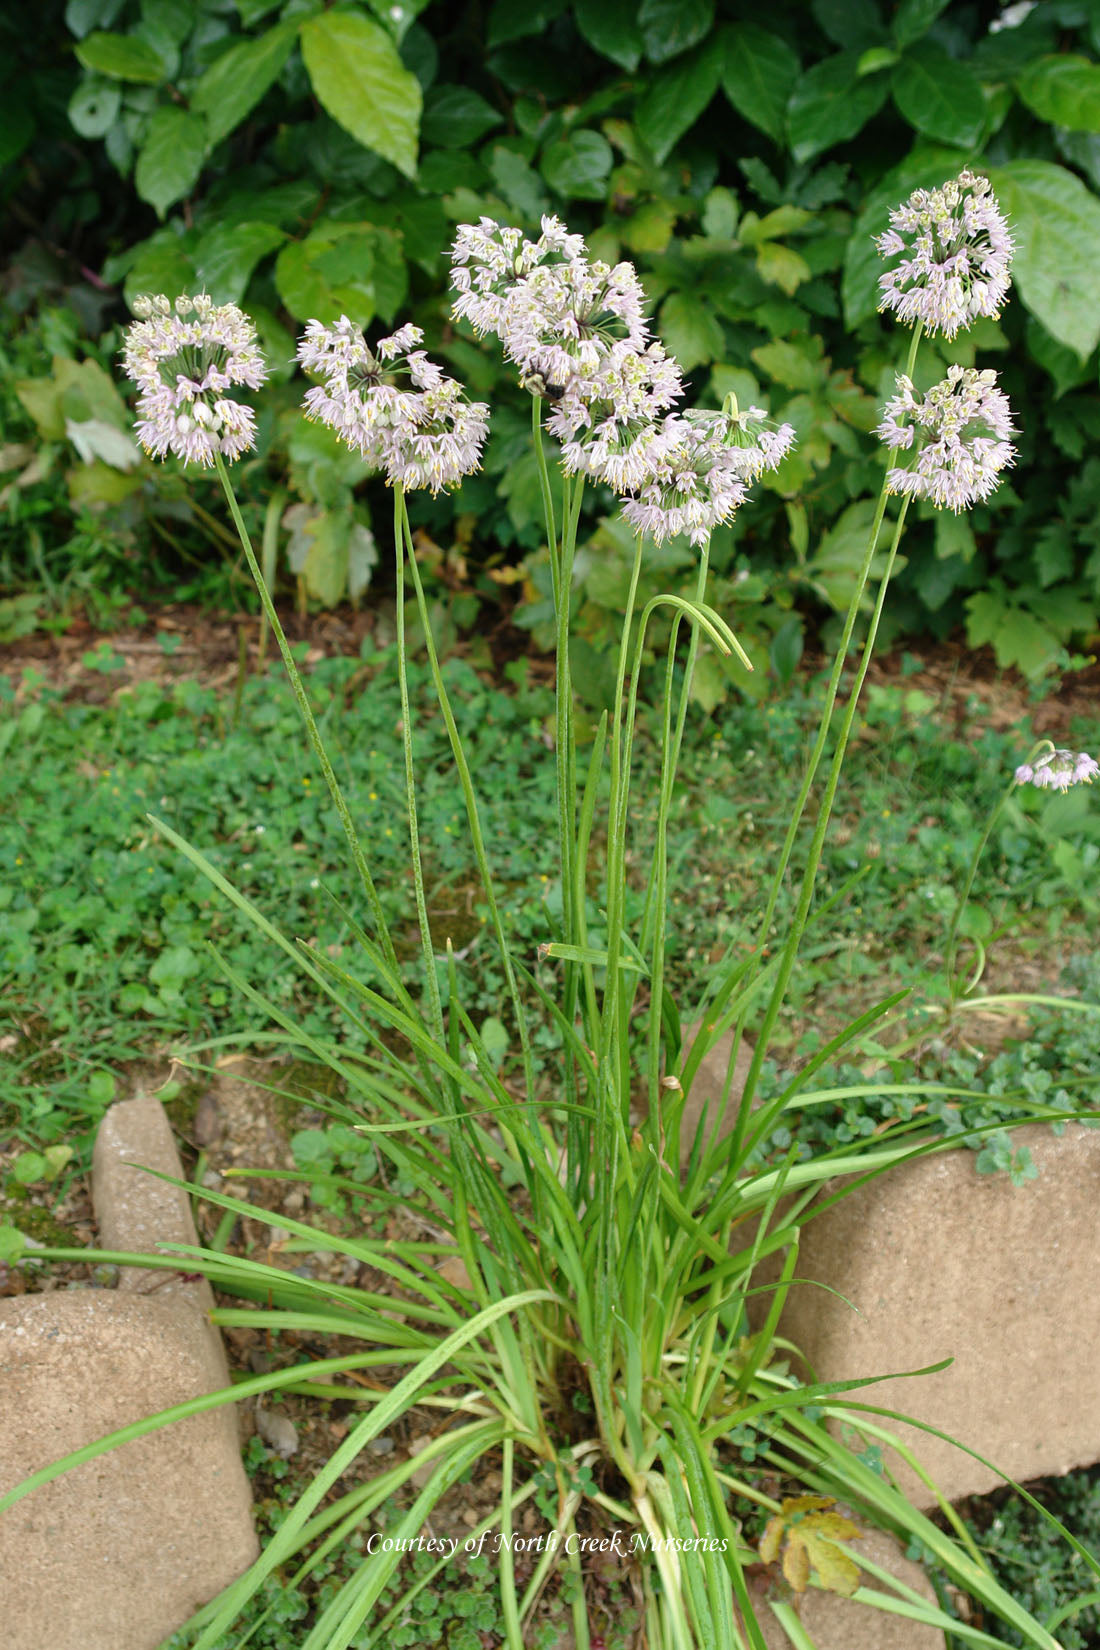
(1058, 770)
(955, 252)
(184, 363)
(576, 329)
(427, 436)
(959, 433)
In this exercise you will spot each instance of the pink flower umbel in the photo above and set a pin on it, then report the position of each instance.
(184, 364)
(955, 252)
(959, 435)
(1058, 770)
(427, 436)
(489, 258)
(700, 469)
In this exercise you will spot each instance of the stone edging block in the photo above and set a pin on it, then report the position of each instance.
(942, 1262)
(119, 1552)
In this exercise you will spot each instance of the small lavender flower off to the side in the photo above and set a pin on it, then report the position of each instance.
(955, 252)
(184, 363)
(1059, 770)
(958, 433)
(427, 436)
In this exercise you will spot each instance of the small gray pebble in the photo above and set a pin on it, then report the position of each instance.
(277, 1431)
(381, 1446)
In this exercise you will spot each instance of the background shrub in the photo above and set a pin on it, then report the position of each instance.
(308, 162)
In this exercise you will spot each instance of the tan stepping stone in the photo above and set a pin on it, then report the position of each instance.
(135, 1211)
(118, 1553)
(942, 1262)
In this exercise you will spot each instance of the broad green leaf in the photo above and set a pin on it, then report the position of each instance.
(913, 18)
(516, 19)
(577, 167)
(329, 550)
(164, 263)
(611, 28)
(456, 117)
(790, 366)
(649, 229)
(170, 161)
(923, 168)
(1064, 365)
(398, 16)
(174, 19)
(954, 536)
(836, 561)
(82, 16)
(361, 82)
(237, 80)
(353, 269)
(854, 24)
(1053, 553)
(783, 221)
(677, 96)
(781, 266)
(874, 59)
(690, 331)
(227, 254)
(518, 182)
(939, 96)
(94, 106)
(831, 103)
(719, 219)
(121, 57)
(671, 26)
(1018, 637)
(41, 399)
(1055, 220)
(16, 124)
(1063, 89)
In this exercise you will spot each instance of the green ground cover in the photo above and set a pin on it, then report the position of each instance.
(105, 941)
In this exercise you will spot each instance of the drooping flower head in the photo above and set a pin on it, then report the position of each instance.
(609, 420)
(490, 257)
(427, 436)
(560, 322)
(955, 251)
(958, 435)
(1058, 770)
(184, 361)
(701, 468)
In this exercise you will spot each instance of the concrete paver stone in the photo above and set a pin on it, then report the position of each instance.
(116, 1554)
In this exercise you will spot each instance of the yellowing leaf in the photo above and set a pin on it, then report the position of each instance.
(362, 83)
(781, 266)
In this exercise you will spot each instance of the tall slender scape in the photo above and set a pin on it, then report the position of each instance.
(609, 1274)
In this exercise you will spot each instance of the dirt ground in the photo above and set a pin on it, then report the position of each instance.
(206, 645)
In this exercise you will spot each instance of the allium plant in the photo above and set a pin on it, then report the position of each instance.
(612, 1282)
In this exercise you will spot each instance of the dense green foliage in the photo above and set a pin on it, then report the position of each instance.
(308, 161)
(104, 938)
